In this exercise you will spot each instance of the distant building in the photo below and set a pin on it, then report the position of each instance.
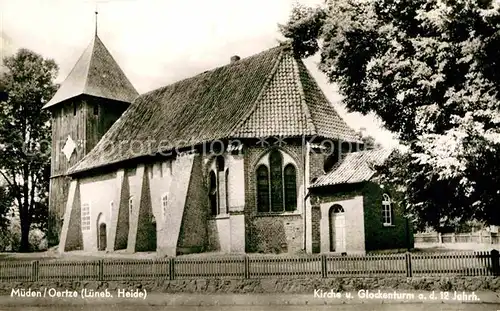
(229, 160)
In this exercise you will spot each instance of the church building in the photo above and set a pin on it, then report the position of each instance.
(249, 157)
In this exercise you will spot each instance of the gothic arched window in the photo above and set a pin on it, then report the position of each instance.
(275, 163)
(290, 188)
(220, 163)
(218, 186)
(212, 194)
(276, 184)
(263, 188)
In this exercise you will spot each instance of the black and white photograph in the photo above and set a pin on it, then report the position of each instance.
(250, 155)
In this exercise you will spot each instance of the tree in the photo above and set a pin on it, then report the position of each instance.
(429, 69)
(25, 136)
(5, 205)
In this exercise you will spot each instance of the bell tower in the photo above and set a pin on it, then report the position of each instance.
(92, 97)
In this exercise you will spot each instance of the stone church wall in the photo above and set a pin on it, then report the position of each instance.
(160, 179)
(102, 191)
(98, 192)
(268, 233)
(226, 232)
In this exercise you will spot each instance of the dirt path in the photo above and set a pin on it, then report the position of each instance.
(162, 299)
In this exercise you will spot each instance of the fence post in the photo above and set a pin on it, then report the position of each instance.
(34, 271)
(453, 238)
(324, 271)
(247, 267)
(408, 265)
(101, 270)
(481, 237)
(495, 262)
(440, 238)
(171, 267)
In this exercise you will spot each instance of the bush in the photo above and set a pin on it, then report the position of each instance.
(10, 238)
(37, 240)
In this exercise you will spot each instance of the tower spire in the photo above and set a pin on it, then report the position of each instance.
(96, 19)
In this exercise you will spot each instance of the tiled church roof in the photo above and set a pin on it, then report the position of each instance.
(355, 167)
(267, 94)
(97, 74)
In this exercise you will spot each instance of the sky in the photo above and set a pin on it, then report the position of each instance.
(158, 42)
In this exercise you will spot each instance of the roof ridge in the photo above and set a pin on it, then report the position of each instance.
(207, 71)
(92, 44)
(303, 95)
(269, 78)
(324, 99)
(355, 167)
(89, 47)
(117, 67)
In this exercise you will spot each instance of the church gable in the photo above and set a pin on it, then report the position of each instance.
(294, 105)
(327, 121)
(280, 110)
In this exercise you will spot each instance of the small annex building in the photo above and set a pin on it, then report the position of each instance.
(230, 160)
(352, 213)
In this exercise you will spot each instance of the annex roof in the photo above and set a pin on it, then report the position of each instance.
(355, 167)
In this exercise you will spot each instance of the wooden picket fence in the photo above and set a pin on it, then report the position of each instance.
(446, 238)
(254, 266)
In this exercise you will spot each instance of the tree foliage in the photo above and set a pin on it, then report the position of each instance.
(25, 136)
(5, 205)
(429, 69)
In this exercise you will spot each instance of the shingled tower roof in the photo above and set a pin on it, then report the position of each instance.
(268, 94)
(96, 73)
